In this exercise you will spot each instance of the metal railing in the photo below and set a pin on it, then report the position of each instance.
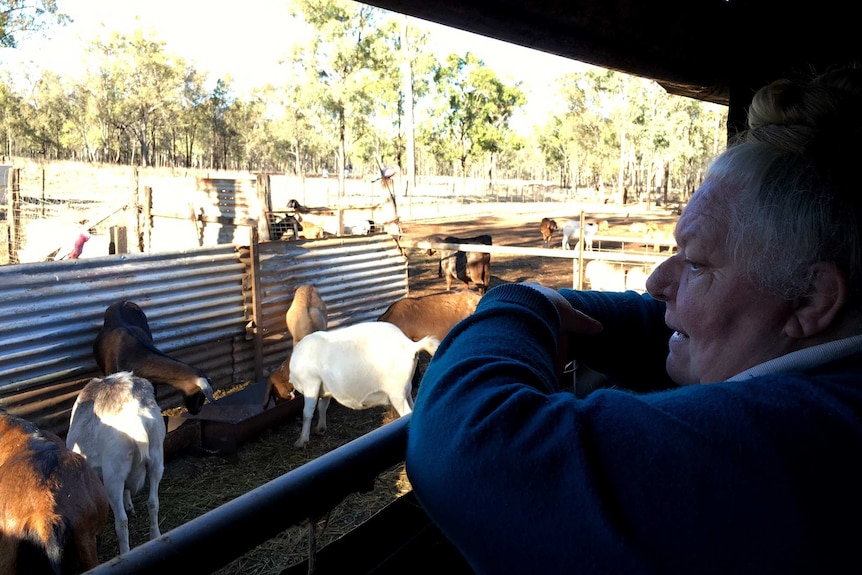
(212, 540)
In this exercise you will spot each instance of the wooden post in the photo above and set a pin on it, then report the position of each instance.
(256, 308)
(15, 231)
(199, 237)
(119, 240)
(145, 220)
(581, 253)
(264, 196)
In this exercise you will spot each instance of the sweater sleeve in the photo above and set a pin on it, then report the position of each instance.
(634, 330)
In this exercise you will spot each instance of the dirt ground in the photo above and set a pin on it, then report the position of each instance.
(195, 483)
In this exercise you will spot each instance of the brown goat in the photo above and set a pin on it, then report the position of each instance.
(433, 314)
(52, 503)
(125, 343)
(465, 266)
(548, 228)
(312, 231)
(307, 313)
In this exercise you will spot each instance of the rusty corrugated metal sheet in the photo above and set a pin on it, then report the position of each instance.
(198, 303)
(54, 310)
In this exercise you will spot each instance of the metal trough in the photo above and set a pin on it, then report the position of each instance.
(240, 416)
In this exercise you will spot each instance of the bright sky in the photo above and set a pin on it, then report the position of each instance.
(247, 40)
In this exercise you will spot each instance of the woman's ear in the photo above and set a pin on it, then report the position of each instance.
(816, 311)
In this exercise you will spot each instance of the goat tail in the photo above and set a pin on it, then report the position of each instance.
(428, 343)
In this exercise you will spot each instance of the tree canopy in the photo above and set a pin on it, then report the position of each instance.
(353, 95)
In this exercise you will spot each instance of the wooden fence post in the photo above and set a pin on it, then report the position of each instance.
(264, 196)
(145, 220)
(256, 308)
(15, 232)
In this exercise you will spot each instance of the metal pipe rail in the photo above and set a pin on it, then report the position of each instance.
(225, 533)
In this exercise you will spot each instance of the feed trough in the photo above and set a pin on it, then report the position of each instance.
(240, 416)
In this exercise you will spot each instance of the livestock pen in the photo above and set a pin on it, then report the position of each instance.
(330, 477)
(644, 39)
(222, 308)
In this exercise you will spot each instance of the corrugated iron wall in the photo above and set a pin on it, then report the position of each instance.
(203, 307)
(358, 277)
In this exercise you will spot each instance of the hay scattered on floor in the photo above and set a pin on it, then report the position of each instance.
(194, 484)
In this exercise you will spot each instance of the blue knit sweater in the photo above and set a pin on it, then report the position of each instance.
(761, 476)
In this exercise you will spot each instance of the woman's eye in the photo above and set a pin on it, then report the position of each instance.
(693, 265)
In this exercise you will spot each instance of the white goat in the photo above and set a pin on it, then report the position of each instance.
(361, 365)
(572, 234)
(358, 227)
(118, 427)
(605, 276)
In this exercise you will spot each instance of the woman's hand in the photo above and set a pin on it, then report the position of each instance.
(572, 321)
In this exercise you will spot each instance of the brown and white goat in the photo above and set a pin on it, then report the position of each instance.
(361, 365)
(52, 503)
(433, 314)
(465, 266)
(125, 343)
(307, 313)
(118, 427)
(548, 227)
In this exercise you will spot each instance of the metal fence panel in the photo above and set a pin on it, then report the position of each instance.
(199, 304)
(357, 277)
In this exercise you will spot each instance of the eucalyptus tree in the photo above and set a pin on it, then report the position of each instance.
(256, 145)
(297, 123)
(416, 65)
(573, 139)
(83, 119)
(349, 61)
(557, 141)
(696, 129)
(45, 116)
(186, 120)
(221, 133)
(23, 16)
(10, 117)
(138, 79)
(628, 129)
(472, 109)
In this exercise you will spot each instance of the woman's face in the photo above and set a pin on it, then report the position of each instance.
(723, 323)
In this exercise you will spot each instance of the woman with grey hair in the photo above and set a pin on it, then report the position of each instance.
(730, 440)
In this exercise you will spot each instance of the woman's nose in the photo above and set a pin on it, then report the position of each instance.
(659, 284)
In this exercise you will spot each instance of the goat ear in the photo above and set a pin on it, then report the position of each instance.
(816, 311)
